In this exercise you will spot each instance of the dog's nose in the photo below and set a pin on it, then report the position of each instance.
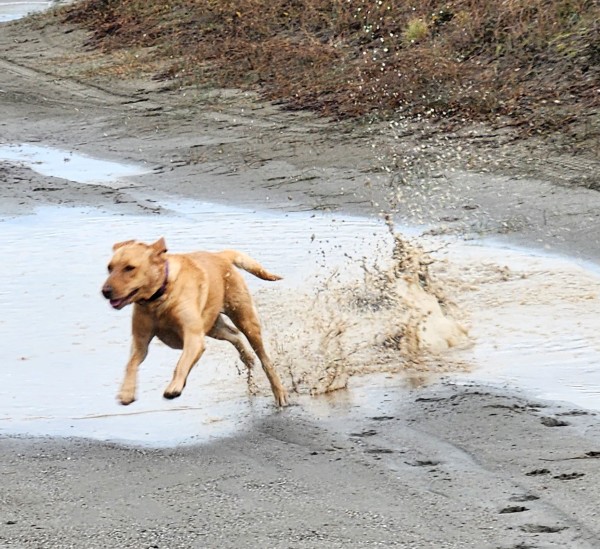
(107, 291)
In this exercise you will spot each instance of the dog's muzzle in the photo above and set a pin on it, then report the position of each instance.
(117, 303)
(107, 291)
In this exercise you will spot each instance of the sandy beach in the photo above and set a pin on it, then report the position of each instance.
(427, 460)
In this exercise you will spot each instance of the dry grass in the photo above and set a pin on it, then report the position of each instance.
(536, 62)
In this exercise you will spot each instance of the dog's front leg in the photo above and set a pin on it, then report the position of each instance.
(193, 347)
(139, 351)
(142, 335)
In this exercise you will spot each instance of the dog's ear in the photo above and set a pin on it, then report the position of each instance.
(121, 244)
(160, 246)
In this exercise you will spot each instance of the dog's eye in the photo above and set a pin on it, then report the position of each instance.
(128, 268)
(110, 268)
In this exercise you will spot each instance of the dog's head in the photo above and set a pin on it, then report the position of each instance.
(136, 272)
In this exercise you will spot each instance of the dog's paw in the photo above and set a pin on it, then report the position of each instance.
(171, 393)
(281, 398)
(126, 398)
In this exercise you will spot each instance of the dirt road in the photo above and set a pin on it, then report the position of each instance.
(450, 466)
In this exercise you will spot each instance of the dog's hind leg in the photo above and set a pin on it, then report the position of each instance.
(245, 318)
(225, 332)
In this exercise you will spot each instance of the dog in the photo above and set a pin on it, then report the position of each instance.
(181, 298)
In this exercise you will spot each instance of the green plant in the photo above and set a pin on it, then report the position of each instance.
(416, 31)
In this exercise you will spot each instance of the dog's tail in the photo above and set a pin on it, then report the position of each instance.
(243, 261)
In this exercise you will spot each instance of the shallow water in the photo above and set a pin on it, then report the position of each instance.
(10, 10)
(64, 348)
(68, 164)
(534, 318)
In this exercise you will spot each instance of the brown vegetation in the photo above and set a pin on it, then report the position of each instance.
(534, 61)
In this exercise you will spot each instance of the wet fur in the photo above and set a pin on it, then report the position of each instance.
(200, 289)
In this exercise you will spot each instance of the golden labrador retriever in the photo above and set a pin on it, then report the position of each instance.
(181, 298)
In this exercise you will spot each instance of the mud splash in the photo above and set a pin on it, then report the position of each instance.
(394, 318)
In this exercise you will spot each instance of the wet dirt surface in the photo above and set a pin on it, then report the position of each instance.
(392, 461)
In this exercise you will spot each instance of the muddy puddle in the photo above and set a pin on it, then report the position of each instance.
(532, 322)
(361, 308)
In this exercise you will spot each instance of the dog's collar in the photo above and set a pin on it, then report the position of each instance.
(161, 291)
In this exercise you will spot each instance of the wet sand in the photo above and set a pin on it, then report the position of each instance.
(449, 465)
(452, 467)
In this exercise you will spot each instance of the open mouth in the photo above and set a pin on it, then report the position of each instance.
(120, 303)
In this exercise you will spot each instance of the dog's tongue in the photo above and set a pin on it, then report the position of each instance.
(121, 302)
